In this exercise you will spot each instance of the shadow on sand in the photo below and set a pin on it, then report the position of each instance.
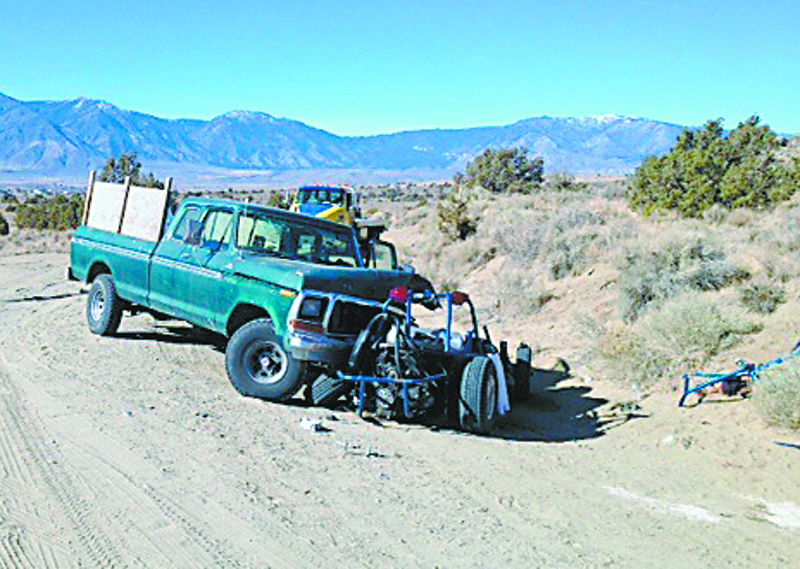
(553, 413)
(550, 413)
(178, 334)
(43, 298)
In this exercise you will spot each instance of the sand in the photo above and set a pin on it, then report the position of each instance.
(135, 451)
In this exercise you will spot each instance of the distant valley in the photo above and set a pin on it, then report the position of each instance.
(58, 142)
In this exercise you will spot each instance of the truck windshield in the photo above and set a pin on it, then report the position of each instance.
(333, 196)
(260, 232)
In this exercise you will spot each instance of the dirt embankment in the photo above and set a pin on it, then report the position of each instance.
(135, 451)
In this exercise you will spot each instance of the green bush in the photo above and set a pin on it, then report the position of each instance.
(777, 395)
(455, 221)
(59, 213)
(505, 170)
(4, 228)
(742, 170)
(278, 200)
(127, 165)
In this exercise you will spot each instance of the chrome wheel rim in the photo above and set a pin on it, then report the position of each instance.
(98, 304)
(265, 362)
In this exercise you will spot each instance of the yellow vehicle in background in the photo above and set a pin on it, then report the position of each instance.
(341, 204)
(334, 203)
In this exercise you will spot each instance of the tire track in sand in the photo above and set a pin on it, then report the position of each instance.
(40, 500)
(118, 509)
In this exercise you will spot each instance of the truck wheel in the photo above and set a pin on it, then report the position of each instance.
(259, 366)
(477, 410)
(103, 307)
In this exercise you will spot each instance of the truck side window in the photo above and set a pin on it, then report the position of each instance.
(189, 227)
(258, 232)
(217, 229)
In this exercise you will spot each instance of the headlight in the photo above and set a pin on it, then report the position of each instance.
(312, 308)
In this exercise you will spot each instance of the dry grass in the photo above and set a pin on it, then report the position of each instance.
(778, 395)
(25, 241)
(682, 335)
(663, 295)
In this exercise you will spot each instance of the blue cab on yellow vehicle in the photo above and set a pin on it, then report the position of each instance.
(335, 203)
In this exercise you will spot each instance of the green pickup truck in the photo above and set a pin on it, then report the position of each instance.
(290, 292)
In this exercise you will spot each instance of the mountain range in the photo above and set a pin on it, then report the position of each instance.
(65, 139)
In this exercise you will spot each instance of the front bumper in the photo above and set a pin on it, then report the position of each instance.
(319, 348)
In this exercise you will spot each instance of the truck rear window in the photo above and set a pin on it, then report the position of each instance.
(260, 233)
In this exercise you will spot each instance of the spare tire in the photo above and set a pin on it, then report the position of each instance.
(478, 401)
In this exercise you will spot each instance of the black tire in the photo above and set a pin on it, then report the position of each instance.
(365, 347)
(327, 390)
(258, 364)
(477, 410)
(103, 307)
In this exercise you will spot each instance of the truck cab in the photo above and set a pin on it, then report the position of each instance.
(340, 204)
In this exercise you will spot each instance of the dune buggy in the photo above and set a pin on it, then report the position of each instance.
(401, 371)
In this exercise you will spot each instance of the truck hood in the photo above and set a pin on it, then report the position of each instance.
(368, 284)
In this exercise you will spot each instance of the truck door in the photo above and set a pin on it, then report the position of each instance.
(170, 259)
(189, 268)
(208, 283)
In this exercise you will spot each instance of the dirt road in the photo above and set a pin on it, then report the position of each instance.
(135, 451)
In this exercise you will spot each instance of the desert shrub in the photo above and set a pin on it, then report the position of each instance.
(455, 221)
(504, 170)
(27, 241)
(741, 170)
(782, 234)
(610, 189)
(564, 182)
(517, 292)
(681, 335)
(762, 297)
(568, 255)
(573, 233)
(459, 259)
(716, 214)
(59, 213)
(277, 199)
(520, 234)
(4, 228)
(777, 396)
(565, 240)
(739, 217)
(655, 271)
(127, 165)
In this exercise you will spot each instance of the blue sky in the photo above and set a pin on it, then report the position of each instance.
(358, 67)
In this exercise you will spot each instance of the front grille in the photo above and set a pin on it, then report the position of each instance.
(349, 318)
